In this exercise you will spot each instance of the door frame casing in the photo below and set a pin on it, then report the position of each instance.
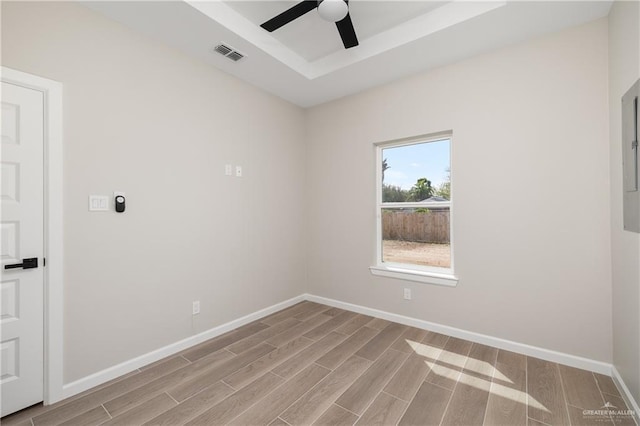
(53, 228)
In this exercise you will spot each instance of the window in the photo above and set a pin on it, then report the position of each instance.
(413, 210)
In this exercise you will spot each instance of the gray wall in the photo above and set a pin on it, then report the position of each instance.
(530, 185)
(624, 70)
(142, 118)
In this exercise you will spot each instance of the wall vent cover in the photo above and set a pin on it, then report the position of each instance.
(228, 52)
(235, 56)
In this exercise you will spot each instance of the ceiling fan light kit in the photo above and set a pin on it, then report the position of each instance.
(330, 10)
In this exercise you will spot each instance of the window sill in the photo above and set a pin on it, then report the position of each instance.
(413, 275)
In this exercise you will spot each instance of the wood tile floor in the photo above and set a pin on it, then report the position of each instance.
(313, 364)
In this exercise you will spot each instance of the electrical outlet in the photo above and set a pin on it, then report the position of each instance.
(196, 307)
(407, 294)
(228, 170)
(238, 171)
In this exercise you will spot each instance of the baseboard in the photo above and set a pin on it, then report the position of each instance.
(626, 393)
(546, 354)
(111, 373)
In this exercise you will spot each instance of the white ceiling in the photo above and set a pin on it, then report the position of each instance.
(305, 63)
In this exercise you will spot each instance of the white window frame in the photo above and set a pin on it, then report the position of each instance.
(406, 271)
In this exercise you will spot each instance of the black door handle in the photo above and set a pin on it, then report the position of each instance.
(30, 263)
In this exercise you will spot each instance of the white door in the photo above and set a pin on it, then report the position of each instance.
(22, 220)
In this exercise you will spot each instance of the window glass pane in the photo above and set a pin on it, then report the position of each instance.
(416, 172)
(417, 236)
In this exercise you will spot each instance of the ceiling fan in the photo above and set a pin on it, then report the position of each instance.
(330, 10)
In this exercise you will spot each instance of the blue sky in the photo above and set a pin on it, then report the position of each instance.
(410, 162)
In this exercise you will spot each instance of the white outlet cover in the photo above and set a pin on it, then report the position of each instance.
(228, 170)
(407, 293)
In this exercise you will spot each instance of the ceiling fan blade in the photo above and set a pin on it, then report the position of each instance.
(347, 32)
(289, 15)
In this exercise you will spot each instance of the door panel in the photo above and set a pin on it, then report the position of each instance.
(21, 236)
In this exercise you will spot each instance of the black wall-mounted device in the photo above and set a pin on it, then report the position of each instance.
(120, 203)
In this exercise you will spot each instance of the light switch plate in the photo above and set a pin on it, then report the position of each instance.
(98, 203)
(238, 171)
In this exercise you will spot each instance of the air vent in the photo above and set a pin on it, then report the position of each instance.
(223, 50)
(235, 56)
(229, 52)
